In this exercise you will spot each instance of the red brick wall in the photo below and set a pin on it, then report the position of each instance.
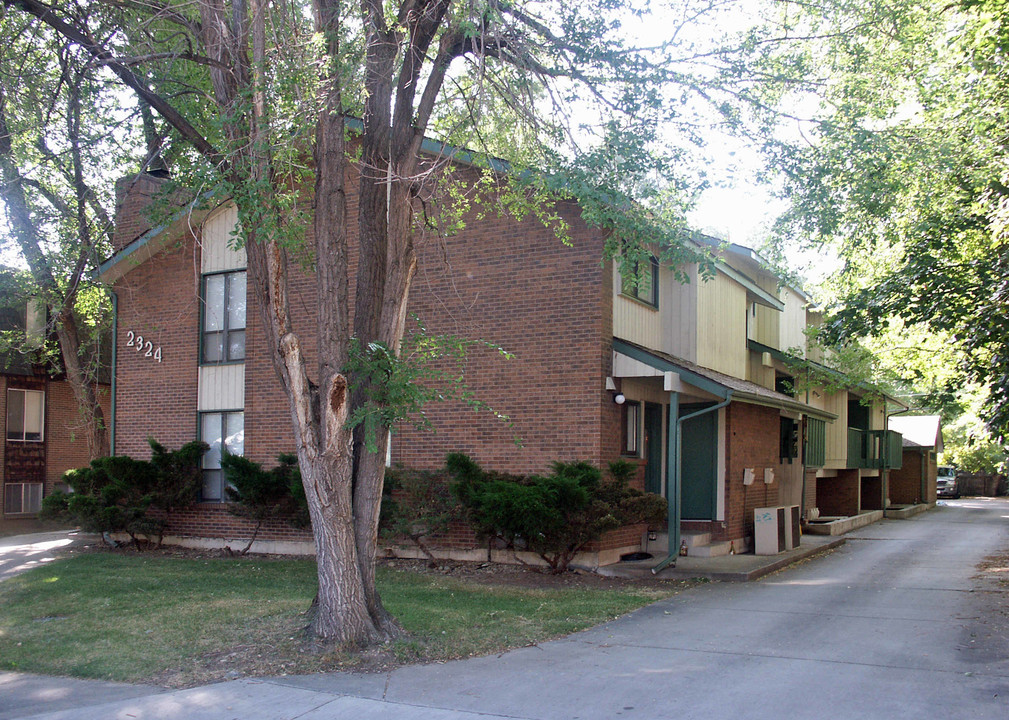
(158, 300)
(751, 441)
(508, 282)
(839, 495)
(134, 197)
(214, 520)
(905, 482)
(66, 443)
(515, 285)
(809, 499)
(872, 493)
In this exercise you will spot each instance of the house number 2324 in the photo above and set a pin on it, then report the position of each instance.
(144, 347)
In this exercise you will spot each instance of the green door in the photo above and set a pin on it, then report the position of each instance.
(698, 464)
(653, 448)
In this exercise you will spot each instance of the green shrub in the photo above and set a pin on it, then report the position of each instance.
(417, 504)
(260, 494)
(555, 515)
(118, 494)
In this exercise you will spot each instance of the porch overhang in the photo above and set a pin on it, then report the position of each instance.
(711, 381)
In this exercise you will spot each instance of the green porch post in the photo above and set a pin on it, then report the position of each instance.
(673, 480)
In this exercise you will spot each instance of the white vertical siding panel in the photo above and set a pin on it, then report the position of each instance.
(793, 321)
(221, 387)
(217, 255)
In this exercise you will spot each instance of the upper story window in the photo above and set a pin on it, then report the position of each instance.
(25, 414)
(223, 332)
(640, 280)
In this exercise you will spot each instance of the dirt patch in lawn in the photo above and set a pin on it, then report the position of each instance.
(486, 573)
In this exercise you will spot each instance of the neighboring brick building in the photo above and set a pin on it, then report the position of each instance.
(43, 428)
(598, 362)
(915, 481)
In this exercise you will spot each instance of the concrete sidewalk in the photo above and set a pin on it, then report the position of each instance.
(248, 699)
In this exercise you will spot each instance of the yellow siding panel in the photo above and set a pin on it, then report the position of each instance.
(837, 431)
(721, 323)
(793, 322)
(678, 306)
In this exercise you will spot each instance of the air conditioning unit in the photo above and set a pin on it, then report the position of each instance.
(775, 529)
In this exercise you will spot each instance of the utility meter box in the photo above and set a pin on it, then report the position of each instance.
(775, 529)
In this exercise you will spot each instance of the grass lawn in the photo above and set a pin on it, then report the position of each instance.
(180, 621)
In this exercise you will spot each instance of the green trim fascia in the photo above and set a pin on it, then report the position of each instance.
(795, 406)
(764, 297)
(149, 240)
(698, 381)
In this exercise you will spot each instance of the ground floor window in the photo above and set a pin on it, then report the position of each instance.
(25, 414)
(22, 498)
(223, 432)
(631, 424)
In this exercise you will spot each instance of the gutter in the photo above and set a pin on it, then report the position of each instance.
(673, 484)
(115, 347)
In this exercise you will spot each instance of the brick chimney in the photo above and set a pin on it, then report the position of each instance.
(135, 195)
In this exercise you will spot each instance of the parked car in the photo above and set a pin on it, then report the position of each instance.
(945, 483)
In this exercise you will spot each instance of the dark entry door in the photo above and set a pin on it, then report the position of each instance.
(698, 464)
(653, 447)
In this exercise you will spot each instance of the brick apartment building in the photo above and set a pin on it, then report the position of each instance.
(601, 369)
(43, 435)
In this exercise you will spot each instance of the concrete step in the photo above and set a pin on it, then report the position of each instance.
(716, 549)
(696, 540)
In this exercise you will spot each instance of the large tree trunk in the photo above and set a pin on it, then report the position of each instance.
(84, 389)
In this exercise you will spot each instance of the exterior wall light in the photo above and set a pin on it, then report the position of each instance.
(619, 398)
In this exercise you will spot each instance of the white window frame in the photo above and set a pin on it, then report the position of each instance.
(24, 416)
(22, 498)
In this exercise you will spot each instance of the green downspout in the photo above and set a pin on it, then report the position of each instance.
(115, 346)
(673, 480)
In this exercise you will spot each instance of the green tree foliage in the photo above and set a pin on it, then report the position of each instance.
(554, 515)
(136, 497)
(65, 134)
(261, 495)
(258, 96)
(900, 163)
(417, 505)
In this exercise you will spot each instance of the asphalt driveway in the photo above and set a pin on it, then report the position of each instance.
(23, 552)
(894, 624)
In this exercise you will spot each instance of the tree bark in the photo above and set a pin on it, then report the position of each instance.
(59, 305)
